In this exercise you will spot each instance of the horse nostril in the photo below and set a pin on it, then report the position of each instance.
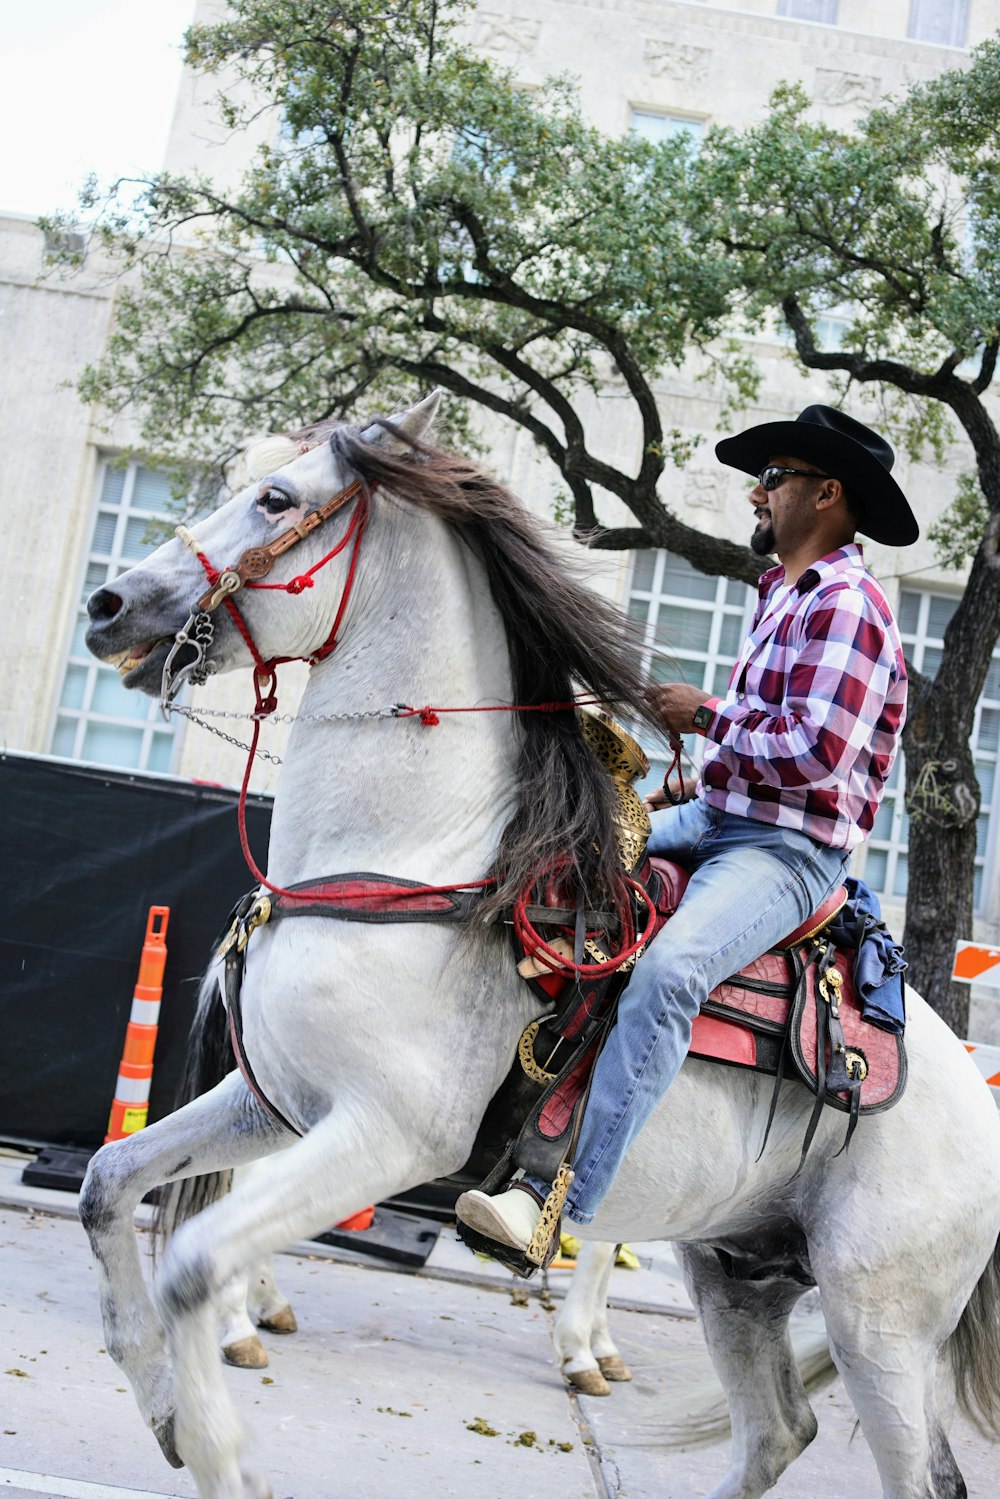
(103, 604)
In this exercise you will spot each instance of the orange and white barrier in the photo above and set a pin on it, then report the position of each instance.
(130, 1106)
(987, 1059)
(975, 963)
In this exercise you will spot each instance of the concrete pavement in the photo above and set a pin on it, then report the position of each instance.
(398, 1385)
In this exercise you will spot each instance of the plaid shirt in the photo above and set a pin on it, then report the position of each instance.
(809, 727)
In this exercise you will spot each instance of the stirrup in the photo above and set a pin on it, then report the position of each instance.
(544, 1243)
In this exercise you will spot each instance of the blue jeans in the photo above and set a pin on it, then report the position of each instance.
(751, 884)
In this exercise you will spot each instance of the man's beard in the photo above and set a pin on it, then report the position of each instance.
(762, 540)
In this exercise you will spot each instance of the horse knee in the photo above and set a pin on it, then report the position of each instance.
(101, 1190)
(186, 1282)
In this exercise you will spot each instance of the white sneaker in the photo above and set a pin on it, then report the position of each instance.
(510, 1217)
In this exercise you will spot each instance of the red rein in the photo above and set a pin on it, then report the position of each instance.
(265, 692)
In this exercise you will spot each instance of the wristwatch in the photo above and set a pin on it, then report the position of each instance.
(702, 717)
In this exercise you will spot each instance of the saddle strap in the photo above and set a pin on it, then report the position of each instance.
(234, 964)
(383, 898)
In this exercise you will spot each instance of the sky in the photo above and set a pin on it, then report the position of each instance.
(89, 86)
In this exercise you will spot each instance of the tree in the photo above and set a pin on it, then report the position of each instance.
(421, 220)
(902, 222)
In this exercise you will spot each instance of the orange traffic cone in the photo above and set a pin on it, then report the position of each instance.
(130, 1106)
(357, 1222)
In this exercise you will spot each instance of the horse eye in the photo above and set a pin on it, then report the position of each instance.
(274, 502)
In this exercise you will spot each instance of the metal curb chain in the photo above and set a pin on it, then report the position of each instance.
(289, 718)
(275, 718)
(192, 717)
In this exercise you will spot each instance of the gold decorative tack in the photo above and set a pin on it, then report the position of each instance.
(622, 756)
(526, 1054)
(830, 986)
(856, 1065)
(545, 1237)
(625, 762)
(259, 913)
(228, 942)
(595, 952)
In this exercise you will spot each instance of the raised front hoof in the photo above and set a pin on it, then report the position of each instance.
(163, 1431)
(283, 1321)
(246, 1353)
(614, 1368)
(589, 1382)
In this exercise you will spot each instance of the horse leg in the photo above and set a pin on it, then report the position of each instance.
(322, 1179)
(581, 1311)
(603, 1347)
(266, 1302)
(249, 1301)
(746, 1328)
(885, 1347)
(214, 1132)
(241, 1345)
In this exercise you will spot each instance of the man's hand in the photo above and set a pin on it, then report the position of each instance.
(675, 702)
(656, 798)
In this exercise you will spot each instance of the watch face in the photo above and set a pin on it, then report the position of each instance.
(702, 716)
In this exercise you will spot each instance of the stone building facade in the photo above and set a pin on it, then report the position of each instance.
(657, 66)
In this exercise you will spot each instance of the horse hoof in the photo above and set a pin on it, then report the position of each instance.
(246, 1353)
(255, 1485)
(589, 1382)
(283, 1321)
(163, 1431)
(614, 1368)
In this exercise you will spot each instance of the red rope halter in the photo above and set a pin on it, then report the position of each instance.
(266, 701)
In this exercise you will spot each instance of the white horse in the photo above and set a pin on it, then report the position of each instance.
(384, 1043)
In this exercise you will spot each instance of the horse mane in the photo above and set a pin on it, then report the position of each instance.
(562, 638)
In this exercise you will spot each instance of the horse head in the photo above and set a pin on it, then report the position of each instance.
(295, 501)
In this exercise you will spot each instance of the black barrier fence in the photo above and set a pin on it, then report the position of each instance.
(87, 851)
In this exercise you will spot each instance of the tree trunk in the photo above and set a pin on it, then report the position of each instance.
(942, 797)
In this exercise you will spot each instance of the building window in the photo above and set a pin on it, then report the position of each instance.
(943, 22)
(923, 619)
(97, 719)
(809, 10)
(830, 326)
(662, 127)
(693, 627)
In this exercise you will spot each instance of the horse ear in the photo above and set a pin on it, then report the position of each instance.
(416, 423)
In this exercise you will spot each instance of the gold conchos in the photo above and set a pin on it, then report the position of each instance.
(856, 1065)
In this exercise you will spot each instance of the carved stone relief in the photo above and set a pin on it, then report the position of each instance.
(507, 33)
(676, 59)
(703, 488)
(836, 88)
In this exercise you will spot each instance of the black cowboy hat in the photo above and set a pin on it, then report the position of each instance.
(842, 448)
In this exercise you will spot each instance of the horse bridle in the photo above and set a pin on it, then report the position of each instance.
(254, 565)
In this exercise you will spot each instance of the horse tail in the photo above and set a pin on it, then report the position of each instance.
(209, 1058)
(974, 1350)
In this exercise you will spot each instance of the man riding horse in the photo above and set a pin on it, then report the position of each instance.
(799, 752)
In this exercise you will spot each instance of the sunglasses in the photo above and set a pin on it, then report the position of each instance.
(770, 477)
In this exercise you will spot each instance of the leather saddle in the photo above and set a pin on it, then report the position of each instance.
(793, 1012)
